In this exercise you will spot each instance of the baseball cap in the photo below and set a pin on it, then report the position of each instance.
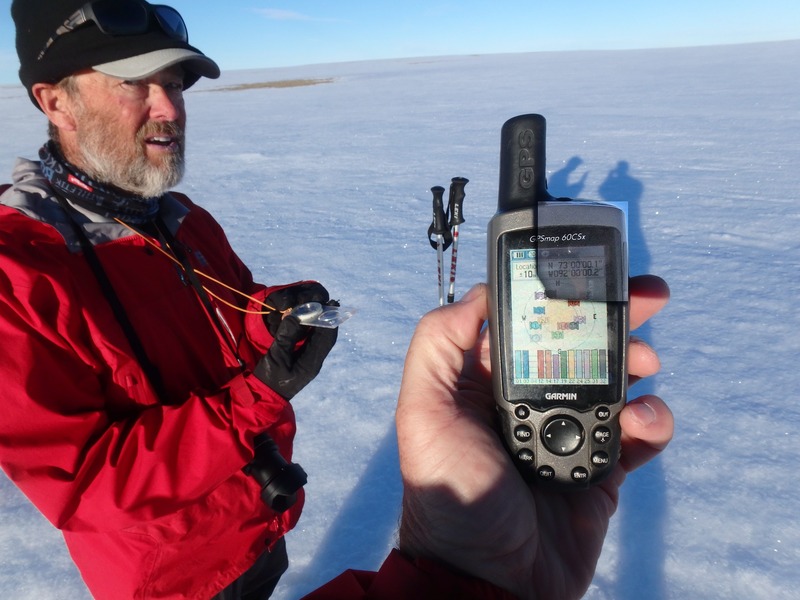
(129, 39)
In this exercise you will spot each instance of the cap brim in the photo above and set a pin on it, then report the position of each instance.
(145, 65)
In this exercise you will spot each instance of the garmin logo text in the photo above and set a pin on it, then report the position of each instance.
(555, 396)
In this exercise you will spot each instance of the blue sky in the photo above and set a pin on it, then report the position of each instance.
(242, 34)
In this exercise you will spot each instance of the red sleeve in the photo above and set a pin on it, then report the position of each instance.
(401, 578)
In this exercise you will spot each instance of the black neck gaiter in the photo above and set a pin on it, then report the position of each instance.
(78, 188)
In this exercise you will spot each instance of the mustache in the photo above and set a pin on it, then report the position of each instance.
(171, 129)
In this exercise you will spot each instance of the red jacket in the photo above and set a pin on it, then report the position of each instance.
(150, 495)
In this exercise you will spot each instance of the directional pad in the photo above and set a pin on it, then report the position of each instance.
(562, 436)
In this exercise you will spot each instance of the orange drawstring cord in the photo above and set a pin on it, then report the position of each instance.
(269, 309)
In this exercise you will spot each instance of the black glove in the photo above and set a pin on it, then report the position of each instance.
(290, 297)
(287, 368)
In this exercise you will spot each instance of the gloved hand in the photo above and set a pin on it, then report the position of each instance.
(298, 351)
(291, 296)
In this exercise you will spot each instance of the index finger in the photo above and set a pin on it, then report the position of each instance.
(648, 295)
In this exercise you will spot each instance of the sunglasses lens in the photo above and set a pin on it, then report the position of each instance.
(119, 18)
(123, 17)
(171, 22)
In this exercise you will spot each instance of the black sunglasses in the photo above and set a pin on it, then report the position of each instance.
(128, 17)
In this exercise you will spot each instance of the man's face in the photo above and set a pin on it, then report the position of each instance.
(129, 134)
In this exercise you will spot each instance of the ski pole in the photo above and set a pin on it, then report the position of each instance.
(455, 209)
(439, 234)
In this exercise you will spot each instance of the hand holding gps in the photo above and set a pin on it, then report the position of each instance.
(558, 320)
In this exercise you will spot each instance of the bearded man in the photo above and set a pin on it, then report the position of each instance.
(146, 376)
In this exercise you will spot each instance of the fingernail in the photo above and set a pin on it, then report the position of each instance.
(642, 412)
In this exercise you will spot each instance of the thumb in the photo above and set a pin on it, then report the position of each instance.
(435, 356)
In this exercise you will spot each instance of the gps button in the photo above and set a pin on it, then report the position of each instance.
(562, 436)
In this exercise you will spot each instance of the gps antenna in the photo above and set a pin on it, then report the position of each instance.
(523, 179)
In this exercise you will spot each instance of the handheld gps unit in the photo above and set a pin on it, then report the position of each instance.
(558, 282)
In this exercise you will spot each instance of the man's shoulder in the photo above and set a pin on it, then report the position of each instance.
(28, 210)
(29, 194)
(27, 187)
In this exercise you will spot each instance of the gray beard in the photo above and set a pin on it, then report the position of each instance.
(137, 176)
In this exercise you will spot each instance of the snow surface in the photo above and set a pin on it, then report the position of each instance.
(331, 181)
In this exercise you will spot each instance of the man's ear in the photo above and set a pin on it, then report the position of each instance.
(54, 102)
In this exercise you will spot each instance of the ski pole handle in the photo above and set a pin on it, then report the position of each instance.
(456, 200)
(439, 232)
